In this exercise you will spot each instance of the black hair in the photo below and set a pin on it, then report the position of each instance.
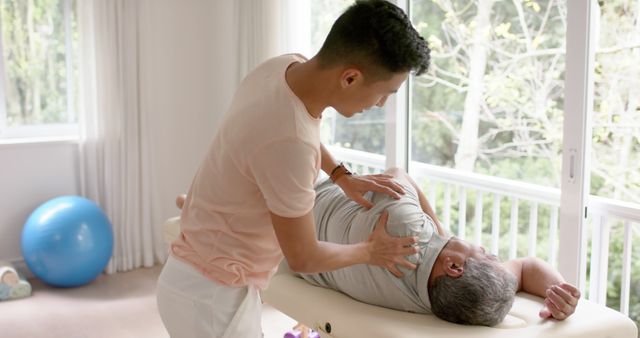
(377, 36)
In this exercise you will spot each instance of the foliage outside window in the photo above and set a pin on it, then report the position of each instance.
(38, 38)
(615, 161)
(615, 164)
(493, 100)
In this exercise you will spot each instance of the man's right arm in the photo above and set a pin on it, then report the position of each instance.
(305, 254)
(537, 277)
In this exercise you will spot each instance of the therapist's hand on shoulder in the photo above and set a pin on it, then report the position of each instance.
(355, 186)
(388, 251)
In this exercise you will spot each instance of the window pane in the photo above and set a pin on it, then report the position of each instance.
(615, 164)
(615, 161)
(364, 131)
(492, 102)
(35, 62)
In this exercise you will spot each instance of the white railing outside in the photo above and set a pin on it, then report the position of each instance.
(602, 213)
(498, 190)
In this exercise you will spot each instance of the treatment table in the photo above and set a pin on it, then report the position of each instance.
(336, 315)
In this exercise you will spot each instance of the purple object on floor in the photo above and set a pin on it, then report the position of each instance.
(298, 334)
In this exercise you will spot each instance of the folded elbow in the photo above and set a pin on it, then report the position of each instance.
(298, 265)
(302, 258)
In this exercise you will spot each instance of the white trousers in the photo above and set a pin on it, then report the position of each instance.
(193, 306)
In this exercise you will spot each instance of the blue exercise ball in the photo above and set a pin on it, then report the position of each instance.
(67, 241)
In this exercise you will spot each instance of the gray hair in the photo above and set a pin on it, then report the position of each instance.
(482, 295)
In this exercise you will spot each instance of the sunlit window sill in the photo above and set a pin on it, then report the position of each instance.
(20, 141)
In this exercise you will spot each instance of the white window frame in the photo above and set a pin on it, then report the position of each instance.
(582, 18)
(43, 130)
(397, 110)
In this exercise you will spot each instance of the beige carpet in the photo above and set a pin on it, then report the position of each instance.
(112, 306)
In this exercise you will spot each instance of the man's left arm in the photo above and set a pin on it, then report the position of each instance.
(536, 277)
(328, 163)
(355, 186)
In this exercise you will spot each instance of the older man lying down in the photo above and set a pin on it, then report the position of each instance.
(455, 280)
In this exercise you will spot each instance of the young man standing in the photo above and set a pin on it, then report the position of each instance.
(252, 197)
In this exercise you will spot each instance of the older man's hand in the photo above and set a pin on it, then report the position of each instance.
(561, 301)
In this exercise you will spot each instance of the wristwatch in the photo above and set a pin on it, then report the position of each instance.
(338, 172)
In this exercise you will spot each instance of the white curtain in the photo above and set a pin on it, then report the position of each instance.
(260, 30)
(114, 146)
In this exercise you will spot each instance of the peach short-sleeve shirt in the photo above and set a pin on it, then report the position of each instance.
(265, 158)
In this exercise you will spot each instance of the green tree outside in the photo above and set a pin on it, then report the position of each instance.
(35, 62)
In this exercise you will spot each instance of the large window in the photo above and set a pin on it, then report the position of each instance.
(500, 127)
(493, 104)
(37, 92)
(615, 161)
(615, 165)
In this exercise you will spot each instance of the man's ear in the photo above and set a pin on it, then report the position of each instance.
(350, 76)
(453, 267)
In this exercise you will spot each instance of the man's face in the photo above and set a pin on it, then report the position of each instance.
(452, 258)
(477, 252)
(480, 253)
(362, 95)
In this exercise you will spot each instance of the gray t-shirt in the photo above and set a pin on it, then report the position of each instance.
(341, 220)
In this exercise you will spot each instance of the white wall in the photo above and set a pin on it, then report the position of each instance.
(31, 174)
(188, 75)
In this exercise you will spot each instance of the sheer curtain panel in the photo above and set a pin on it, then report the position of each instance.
(114, 144)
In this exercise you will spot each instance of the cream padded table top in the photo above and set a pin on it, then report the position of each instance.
(348, 318)
(315, 307)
